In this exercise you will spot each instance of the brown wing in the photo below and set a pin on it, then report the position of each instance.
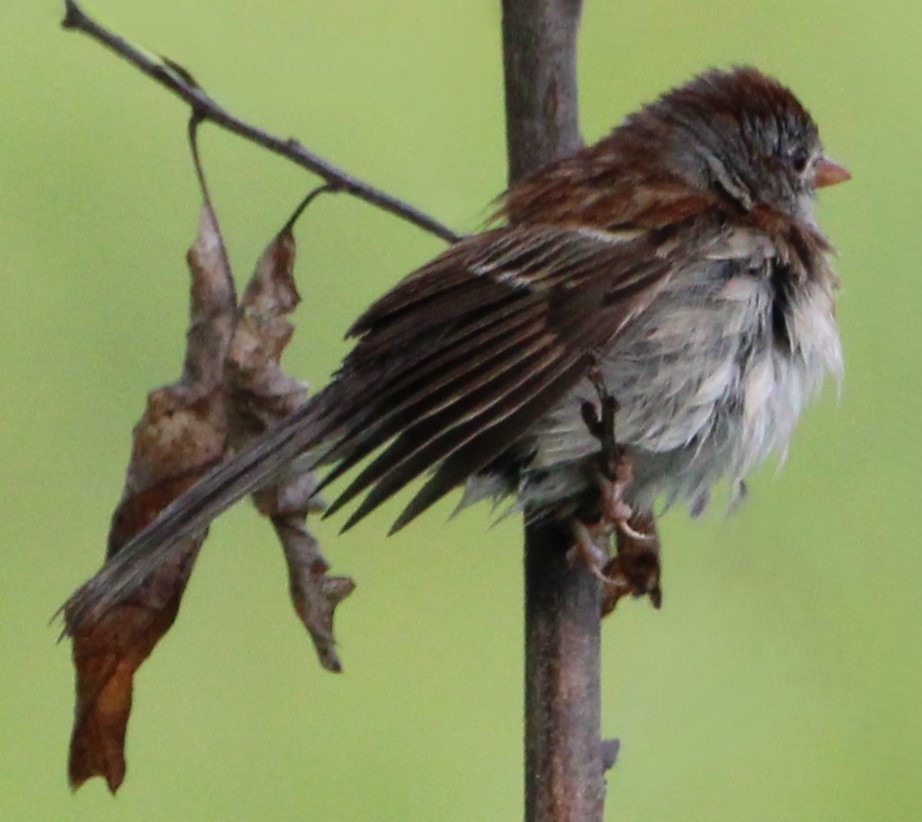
(466, 355)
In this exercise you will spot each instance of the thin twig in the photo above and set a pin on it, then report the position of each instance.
(180, 82)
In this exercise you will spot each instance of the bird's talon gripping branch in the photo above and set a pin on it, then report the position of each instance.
(635, 570)
(587, 548)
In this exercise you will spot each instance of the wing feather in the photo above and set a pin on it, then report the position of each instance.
(405, 465)
(426, 396)
(422, 443)
(488, 444)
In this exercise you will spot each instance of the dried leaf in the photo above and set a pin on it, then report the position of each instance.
(314, 594)
(232, 389)
(261, 394)
(182, 434)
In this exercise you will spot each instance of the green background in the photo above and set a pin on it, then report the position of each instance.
(781, 681)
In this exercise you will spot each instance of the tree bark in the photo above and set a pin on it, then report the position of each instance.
(563, 749)
(539, 58)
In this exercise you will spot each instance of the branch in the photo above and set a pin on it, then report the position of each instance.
(181, 83)
(542, 107)
(565, 757)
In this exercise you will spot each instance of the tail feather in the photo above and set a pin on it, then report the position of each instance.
(191, 513)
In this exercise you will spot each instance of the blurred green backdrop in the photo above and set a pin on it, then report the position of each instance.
(782, 679)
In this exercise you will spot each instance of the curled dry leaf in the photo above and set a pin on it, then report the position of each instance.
(261, 394)
(182, 434)
(232, 389)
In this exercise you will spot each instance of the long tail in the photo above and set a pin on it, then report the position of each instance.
(192, 512)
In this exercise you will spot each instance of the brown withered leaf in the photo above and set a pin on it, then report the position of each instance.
(260, 394)
(231, 390)
(182, 434)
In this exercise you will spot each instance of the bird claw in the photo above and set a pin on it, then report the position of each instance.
(627, 529)
(586, 548)
(614, 510)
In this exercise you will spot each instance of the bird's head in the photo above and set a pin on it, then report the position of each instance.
(738, 133)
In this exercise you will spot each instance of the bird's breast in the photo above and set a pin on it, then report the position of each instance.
(710, 379)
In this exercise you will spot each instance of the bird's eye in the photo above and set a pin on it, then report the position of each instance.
(798, 159)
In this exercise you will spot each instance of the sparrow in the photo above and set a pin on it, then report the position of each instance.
(677, 262)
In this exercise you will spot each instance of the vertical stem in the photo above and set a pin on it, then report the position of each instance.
(563, 750)
(563, 754)
(539, 57)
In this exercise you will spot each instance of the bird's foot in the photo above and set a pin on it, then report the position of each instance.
(635, 569)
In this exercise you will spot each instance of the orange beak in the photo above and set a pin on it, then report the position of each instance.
(826, 172)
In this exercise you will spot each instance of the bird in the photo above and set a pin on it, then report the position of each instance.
(677, 262)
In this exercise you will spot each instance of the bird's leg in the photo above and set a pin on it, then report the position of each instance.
(635, 569)
(613, 470)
